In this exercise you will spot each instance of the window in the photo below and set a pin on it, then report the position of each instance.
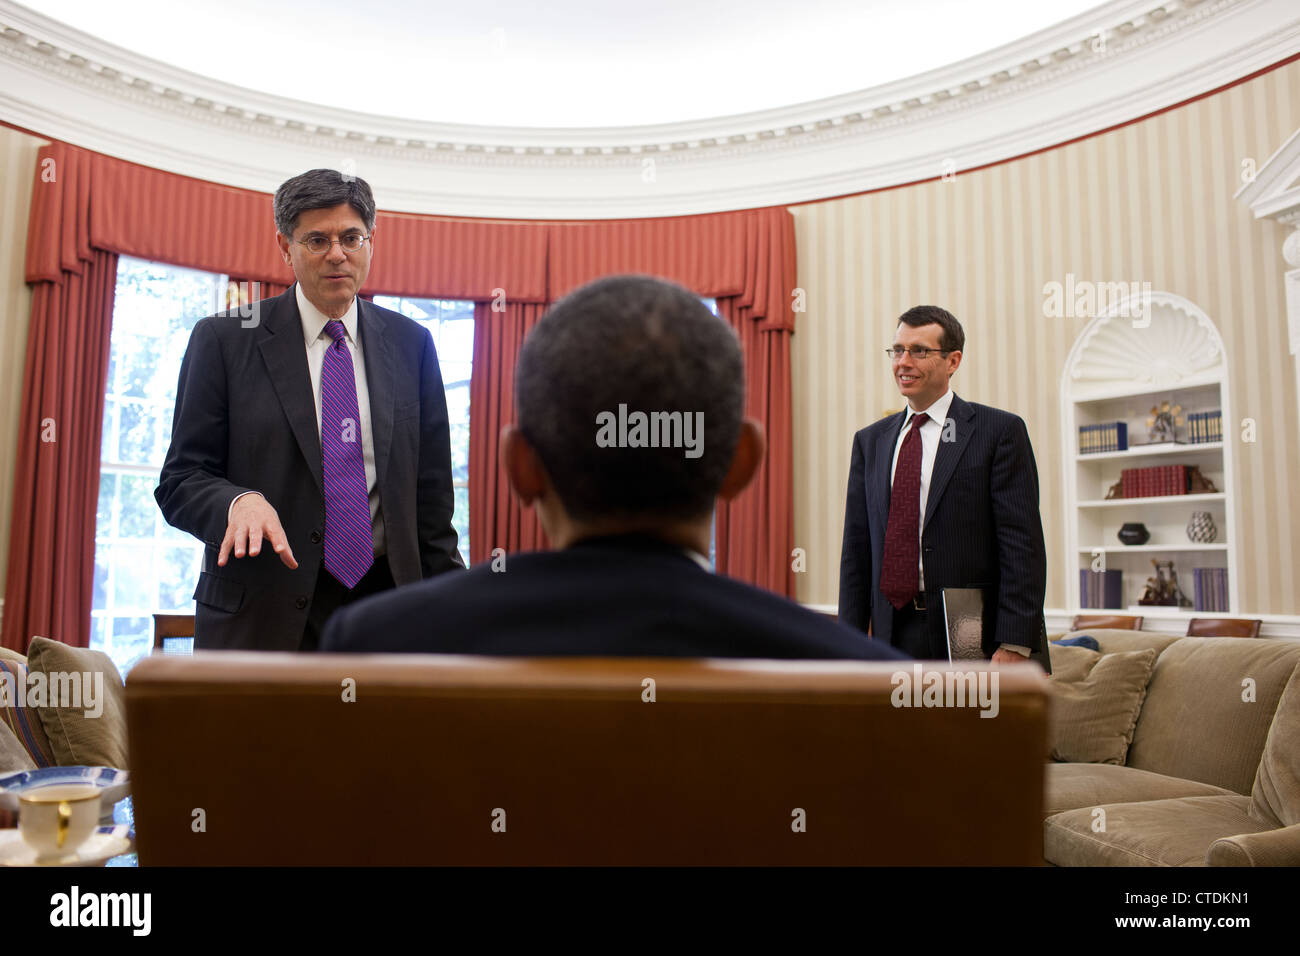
(143, 565)
(451, 323)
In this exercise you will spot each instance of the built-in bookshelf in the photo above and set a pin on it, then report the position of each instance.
(1122, 365)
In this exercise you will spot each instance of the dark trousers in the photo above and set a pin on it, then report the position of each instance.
(912, 633)
(330, 595)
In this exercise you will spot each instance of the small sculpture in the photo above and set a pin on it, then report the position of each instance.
(1198, 484)
(1116, 490)
(1163, 422)
(1163, 590)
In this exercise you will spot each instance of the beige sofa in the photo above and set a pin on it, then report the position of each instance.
(1211, 771)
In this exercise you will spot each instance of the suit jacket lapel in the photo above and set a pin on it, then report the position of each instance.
(949, 452)
(285, 355)
(379, 380)
(884, 458)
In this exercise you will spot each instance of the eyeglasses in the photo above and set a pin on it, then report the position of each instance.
(318, 245)
(919, 353)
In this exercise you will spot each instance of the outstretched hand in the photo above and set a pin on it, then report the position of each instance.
(252, 520)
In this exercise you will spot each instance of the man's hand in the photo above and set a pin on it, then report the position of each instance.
(1004, 656)
(251, 519)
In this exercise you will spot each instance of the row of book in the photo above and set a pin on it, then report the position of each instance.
(1108, 436)
(1205, 426)
(1101, 588)
(1211, 589)
(1154, 482)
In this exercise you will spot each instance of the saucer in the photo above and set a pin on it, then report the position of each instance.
(101, 846)
(113, 783)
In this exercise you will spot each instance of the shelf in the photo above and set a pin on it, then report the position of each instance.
(1085, 395)
(1150, 451)
(1122, 548)
(1157, 500)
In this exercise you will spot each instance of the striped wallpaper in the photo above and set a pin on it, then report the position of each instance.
(1151, 202)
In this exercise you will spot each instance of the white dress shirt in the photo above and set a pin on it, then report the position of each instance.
(931, 432)
(316, 342)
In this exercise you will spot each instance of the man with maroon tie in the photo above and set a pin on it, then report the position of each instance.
(943, 494)
(310, 447)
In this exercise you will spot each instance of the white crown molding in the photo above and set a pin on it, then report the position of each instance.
(1053, 86)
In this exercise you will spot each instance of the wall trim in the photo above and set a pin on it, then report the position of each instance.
(1101, 69)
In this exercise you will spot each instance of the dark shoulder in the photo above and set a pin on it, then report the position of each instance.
(997, 419)
(232, 323)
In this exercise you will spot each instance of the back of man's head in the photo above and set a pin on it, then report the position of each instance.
(632, 394)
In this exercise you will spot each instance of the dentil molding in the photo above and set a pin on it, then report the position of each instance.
(1108, 66)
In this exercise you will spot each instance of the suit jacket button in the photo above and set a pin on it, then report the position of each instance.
(300, 603)
(315, 537)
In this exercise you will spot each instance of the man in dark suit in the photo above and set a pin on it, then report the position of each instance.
(310, 447)
(630, 409)
(943, 494)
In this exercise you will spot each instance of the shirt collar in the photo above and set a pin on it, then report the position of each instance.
(938, 410)
(314, 320)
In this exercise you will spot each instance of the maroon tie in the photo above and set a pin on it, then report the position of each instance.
(899, 575)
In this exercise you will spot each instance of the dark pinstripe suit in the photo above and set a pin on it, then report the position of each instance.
(981, 527)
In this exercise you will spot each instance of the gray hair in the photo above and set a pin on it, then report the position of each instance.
(321, 189)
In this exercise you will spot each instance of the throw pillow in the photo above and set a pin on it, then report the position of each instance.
(1096, 700)
(86, 724)
(1275, 798)
(19, 719)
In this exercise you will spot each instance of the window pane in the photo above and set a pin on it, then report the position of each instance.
(142, 566)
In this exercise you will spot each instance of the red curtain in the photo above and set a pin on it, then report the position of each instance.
(87, 208)
(50, 580)
(496, 519)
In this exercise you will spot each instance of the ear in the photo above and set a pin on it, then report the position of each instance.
(954, 360)
(283, 242)
(750, 448)
(523, 467)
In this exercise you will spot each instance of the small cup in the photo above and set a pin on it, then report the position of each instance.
(57, 819)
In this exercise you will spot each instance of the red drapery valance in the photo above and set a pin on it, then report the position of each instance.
(87, 208)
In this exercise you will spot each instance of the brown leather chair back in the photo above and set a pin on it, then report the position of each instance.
(574, 764)
(1112, 622)
(1223, 627)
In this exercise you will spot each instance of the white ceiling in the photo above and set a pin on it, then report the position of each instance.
(560, 63)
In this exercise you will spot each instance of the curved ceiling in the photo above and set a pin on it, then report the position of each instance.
(563, 63)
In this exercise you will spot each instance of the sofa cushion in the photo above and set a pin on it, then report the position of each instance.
(1275, 798)
(81, 735)
(1209, 706)
(1096, 699)
(1177, 832)
(22, 721)
(1070, 786)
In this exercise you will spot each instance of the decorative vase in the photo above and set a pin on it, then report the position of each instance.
(1201, 528)
(1134, 532)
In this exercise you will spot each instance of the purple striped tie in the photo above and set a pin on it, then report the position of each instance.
(349, 548)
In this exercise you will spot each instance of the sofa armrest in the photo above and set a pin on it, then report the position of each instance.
(1269, 848)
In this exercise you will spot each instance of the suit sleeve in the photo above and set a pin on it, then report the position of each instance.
(435, 498)
(193, 491)
(855, 552)
(1022, 555)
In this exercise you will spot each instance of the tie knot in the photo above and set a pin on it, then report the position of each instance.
(919, 419)
(334, 330)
